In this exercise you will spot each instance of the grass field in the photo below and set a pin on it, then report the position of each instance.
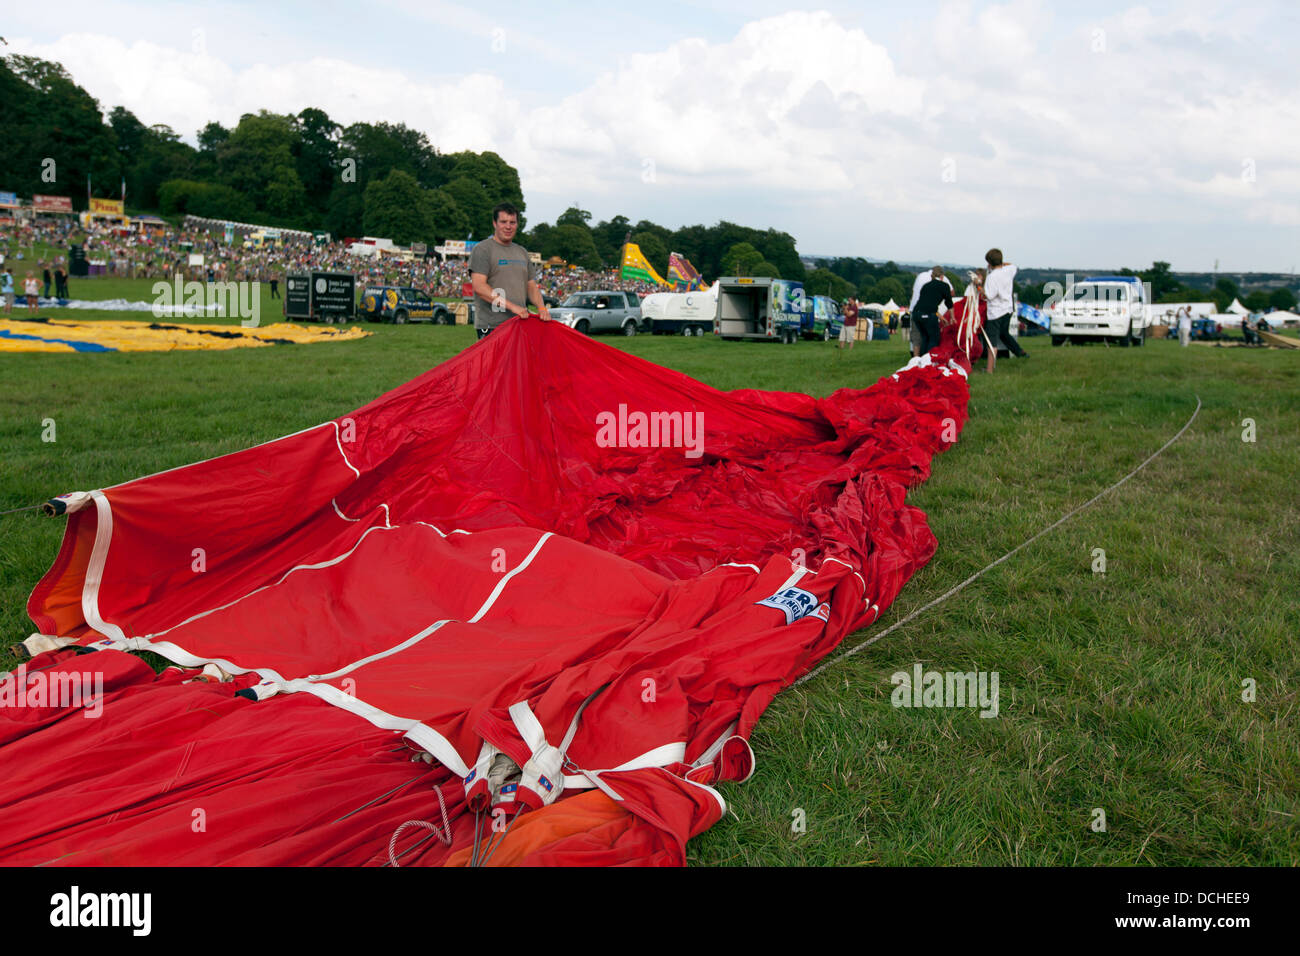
(1121, 691)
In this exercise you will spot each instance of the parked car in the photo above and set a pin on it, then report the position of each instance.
(600, 311)
(822, 318)
(1206, 330)
(401, 304)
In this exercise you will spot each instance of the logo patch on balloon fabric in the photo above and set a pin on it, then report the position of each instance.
(795, 602)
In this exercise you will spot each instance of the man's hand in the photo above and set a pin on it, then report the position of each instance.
(544, 312)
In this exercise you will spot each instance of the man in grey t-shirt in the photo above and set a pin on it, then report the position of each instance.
(503, 277)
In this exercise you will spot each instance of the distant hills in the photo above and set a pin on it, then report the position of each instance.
(1247, 282)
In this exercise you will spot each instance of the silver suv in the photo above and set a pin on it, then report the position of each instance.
(600, 311)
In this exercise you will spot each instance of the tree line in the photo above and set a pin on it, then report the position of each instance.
(1166, 287)
(301, 171)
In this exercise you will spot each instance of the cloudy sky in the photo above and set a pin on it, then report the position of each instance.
(1070, 134)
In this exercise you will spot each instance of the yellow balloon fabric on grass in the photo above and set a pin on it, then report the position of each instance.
(70, 335)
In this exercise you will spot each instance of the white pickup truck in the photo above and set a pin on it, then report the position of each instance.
(1103, 308)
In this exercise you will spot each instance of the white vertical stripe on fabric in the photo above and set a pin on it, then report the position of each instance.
(338, 440)
(496, 592)
(95, 569)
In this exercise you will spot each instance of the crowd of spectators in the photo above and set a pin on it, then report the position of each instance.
(163, 252)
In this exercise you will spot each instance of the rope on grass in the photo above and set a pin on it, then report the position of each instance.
(953, 590)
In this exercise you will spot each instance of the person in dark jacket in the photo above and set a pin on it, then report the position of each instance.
(927, 308)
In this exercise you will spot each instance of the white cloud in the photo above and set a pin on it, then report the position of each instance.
(983, 115)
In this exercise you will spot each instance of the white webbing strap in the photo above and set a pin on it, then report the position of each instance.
(543, 776)
(662, 756)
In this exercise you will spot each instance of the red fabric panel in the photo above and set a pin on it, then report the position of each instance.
(313, 567)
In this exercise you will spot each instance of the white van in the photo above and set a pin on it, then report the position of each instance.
(1103, 309)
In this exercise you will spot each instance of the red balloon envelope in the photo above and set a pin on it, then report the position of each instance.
(554, 581)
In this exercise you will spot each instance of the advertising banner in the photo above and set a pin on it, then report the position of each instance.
(52, 203)
(105, 207)
(334, 293)
(297, 296)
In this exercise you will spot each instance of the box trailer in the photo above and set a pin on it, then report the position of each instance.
(759, 308)
(327, 297)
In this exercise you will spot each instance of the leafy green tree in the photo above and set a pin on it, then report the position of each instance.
(315, 150)
(473, 201)
(608, 237)
(653, 248)
(854, 270)
(741, 259)
(778, 248)
(891, 288)
(1282, 299)
(257, 159)
(179, 197)
(162, 156)
(496, 181)
(540, 239)
(397, 209)
(48, 116)
(1257, 301)
(446, 220)
(823, 281)
(690, 242)
(1162, 281)
(346, 210)
(573, 216)
(284, 197)
(663, 234)
(211, 137)
(1030, 294)
(574, 245)
(128, 131)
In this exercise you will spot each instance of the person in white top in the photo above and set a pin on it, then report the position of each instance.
(999, 286)
(914, 330)
(1185, 325)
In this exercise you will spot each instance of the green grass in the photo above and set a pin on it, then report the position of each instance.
(1120, 691)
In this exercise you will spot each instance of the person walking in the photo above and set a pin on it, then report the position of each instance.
(1185, 326)
(999, 287)
(7, 290)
